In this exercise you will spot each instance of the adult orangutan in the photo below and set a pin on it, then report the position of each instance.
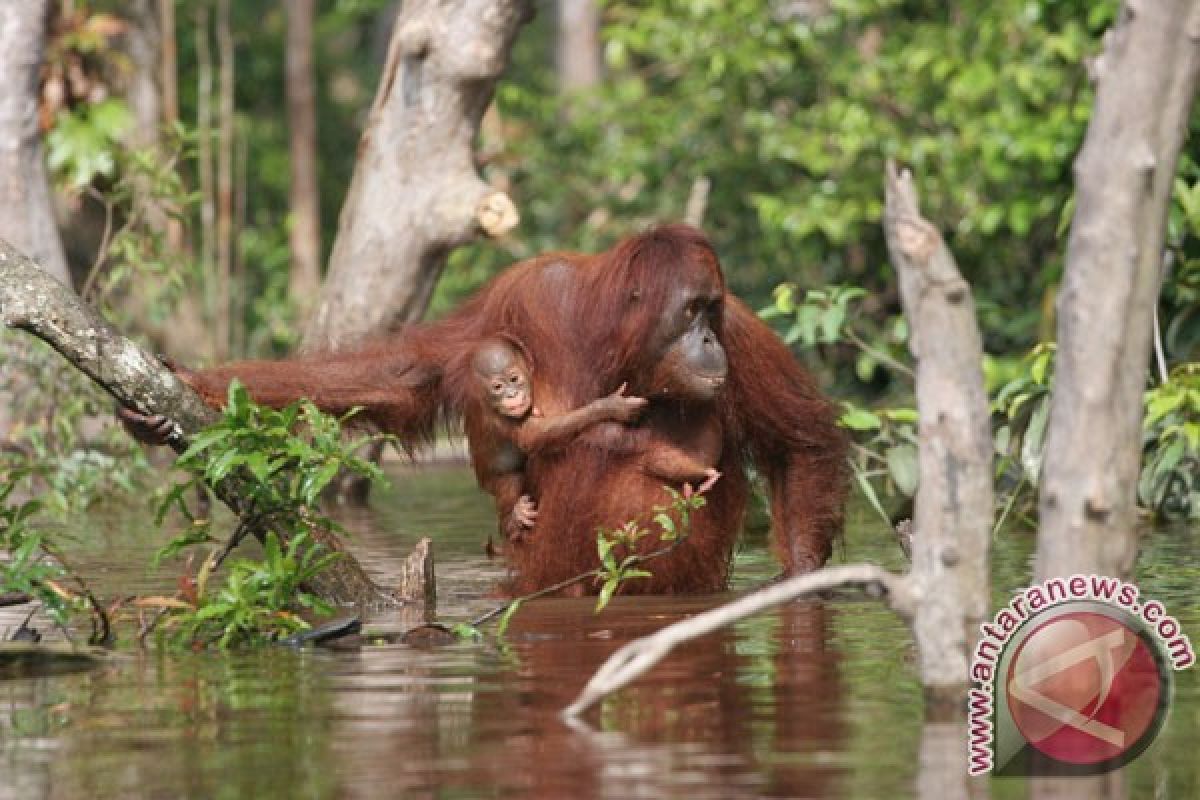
(652, 313)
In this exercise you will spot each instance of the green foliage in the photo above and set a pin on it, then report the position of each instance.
(1021, 409)
(288, 456)
(819, 318)
(259, 599)
(29, 569)
(69, 468)
(81, 147)
(1170, 479)
(283, 460)
(469, 633)
(885, 459)
(1179, 307)
(618, 558)
(790, 112)
(622, 551)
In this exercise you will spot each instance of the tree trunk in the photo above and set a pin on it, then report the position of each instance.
(143, 46)
(953, 510)
(26, 213)
(416, 194)
(204, 161)
(222, 322)
(1146, 83)
(169, 61)
(150, 88)
(34, 302)
(304, 234)
(578, 45)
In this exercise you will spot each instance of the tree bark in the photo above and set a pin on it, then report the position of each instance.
(416, 194)
(169, 62)
(204, 155)
(32, 301)
(26, 213)
(223, 311)
(953, 509)
(144, 46)
(578, 45)
(304, 234)
(1123, 175)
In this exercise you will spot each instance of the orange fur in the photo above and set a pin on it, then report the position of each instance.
(584, 321)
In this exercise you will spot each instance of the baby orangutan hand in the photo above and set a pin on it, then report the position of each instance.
(522, 518)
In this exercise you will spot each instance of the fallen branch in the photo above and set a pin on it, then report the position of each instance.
(634, 659)
(32, 301)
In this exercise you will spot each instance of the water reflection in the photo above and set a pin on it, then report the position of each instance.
(816, 700)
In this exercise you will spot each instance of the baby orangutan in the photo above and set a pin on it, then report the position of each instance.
(507, 427)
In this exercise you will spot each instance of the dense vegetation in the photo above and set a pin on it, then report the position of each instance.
(786, 111)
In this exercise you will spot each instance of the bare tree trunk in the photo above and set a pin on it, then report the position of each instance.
(953, 511)
(143, 45)
(416, 194)
(225, 144)
(578, 44)
(305, 232)
(26, 213)
(151, 88)
(204, 155)
(1146, 84)
(169, 62)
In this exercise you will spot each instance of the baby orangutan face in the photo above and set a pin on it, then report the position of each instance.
(504, 379)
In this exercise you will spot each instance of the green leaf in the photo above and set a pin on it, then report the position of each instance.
(903, 469)
(467, 633)
(513, 607)
(905, 415)
(1033, 440)
(859, 419)
(1160, 405)
(868, 491)
(606, 593)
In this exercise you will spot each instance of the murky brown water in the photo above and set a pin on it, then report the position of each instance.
(816, 700)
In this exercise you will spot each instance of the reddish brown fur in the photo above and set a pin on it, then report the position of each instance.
(587, 322)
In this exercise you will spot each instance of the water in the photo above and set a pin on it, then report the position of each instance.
(815, 700)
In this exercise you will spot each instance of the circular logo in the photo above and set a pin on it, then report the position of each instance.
(1088, 688)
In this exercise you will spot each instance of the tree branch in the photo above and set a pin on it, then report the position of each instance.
(634, 659)
(33, 301)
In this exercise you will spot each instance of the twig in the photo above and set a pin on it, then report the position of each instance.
(102, 248)
(879, 355)
(595, 573)
(101, 632)
(1160, 357)
(495, 612)
(246, 525)
(634, 659)
(1008, 505)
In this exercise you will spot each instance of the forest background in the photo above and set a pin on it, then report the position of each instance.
(170, 132)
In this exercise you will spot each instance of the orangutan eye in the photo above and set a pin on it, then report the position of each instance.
(497, 386)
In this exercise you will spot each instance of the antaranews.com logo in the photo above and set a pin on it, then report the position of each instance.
(1072, 677)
